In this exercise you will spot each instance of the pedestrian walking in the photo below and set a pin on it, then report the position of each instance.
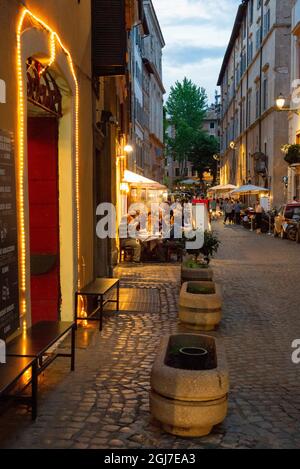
(232, 212)
(228, 207)
(258, 216)
(218, 209)
(237, 213)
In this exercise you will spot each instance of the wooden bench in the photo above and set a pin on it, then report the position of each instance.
(41, 337)
(99, 288)
(32, 350)
(11, 372)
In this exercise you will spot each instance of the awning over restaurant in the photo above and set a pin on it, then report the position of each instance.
(137, 180)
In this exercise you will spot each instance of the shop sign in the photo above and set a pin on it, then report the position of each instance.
(9, 288)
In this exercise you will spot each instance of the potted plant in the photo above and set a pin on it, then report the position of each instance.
(196, 265)
(189, 384)
(200, 305)
(292, 153)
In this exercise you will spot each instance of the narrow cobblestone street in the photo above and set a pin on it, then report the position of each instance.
(104, 404)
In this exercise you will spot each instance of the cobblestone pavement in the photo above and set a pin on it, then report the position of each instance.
(104, 404)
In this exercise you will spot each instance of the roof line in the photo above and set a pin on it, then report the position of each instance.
(150, 3)
(235, 32)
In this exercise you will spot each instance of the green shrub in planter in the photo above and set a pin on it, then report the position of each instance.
(209, 248)
(200, 290)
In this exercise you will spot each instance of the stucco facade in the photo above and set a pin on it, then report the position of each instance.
(293, 171)
(153, 46)
(256, 69)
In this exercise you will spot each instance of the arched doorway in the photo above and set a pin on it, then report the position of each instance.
(37, 42)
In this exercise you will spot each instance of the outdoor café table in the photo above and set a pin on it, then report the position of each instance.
(39, 339)
(151, 239)
(99, 288)
(11, 372)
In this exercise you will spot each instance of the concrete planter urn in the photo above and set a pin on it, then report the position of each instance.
(200, 305)
(201, 273)
(189, 396)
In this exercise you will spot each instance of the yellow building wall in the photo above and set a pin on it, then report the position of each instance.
(72, 23)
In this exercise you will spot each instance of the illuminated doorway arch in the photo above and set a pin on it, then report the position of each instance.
(35, 38)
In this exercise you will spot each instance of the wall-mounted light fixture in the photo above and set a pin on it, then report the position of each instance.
(128, 148)
(280, 104)
(124, 187)
(232, 145)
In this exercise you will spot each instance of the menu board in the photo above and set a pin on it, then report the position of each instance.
(9, 288)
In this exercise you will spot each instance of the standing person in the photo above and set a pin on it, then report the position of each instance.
(213, 208)
(237, 212)
(126, 239)
(231, 218)
(258, 216)
(228, 210)
(222, 205)
(218, 208)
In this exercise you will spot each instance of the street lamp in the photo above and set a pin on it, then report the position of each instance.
(280, 104)
(128, 148)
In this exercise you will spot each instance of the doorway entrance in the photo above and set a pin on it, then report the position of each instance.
(43, 191)
(43, 217)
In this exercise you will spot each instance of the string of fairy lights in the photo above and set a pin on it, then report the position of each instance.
(54, 39)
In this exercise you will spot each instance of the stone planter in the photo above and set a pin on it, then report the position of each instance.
(189, 402)
(200, 311)
(200, 274)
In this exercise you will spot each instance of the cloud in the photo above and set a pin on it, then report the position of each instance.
(196, 34)
(191, 55)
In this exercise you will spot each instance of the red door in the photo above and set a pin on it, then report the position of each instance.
(44, 217)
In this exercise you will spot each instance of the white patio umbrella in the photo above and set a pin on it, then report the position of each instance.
(250, 189)
(224, 188)
(188, 182)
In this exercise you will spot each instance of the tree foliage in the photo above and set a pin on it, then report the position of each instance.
(185, 110)
(202, 155)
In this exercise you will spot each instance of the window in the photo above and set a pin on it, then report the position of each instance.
(258, 4)
(251, 10)
(212, 125)
(250, 52)
(258, 38)
(241, 118)
(257, 102)
(249, 98)
(243, 63)
(265, 93)
(267, 22)
(237, 74)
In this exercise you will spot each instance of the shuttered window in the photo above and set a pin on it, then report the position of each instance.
(109, 37)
